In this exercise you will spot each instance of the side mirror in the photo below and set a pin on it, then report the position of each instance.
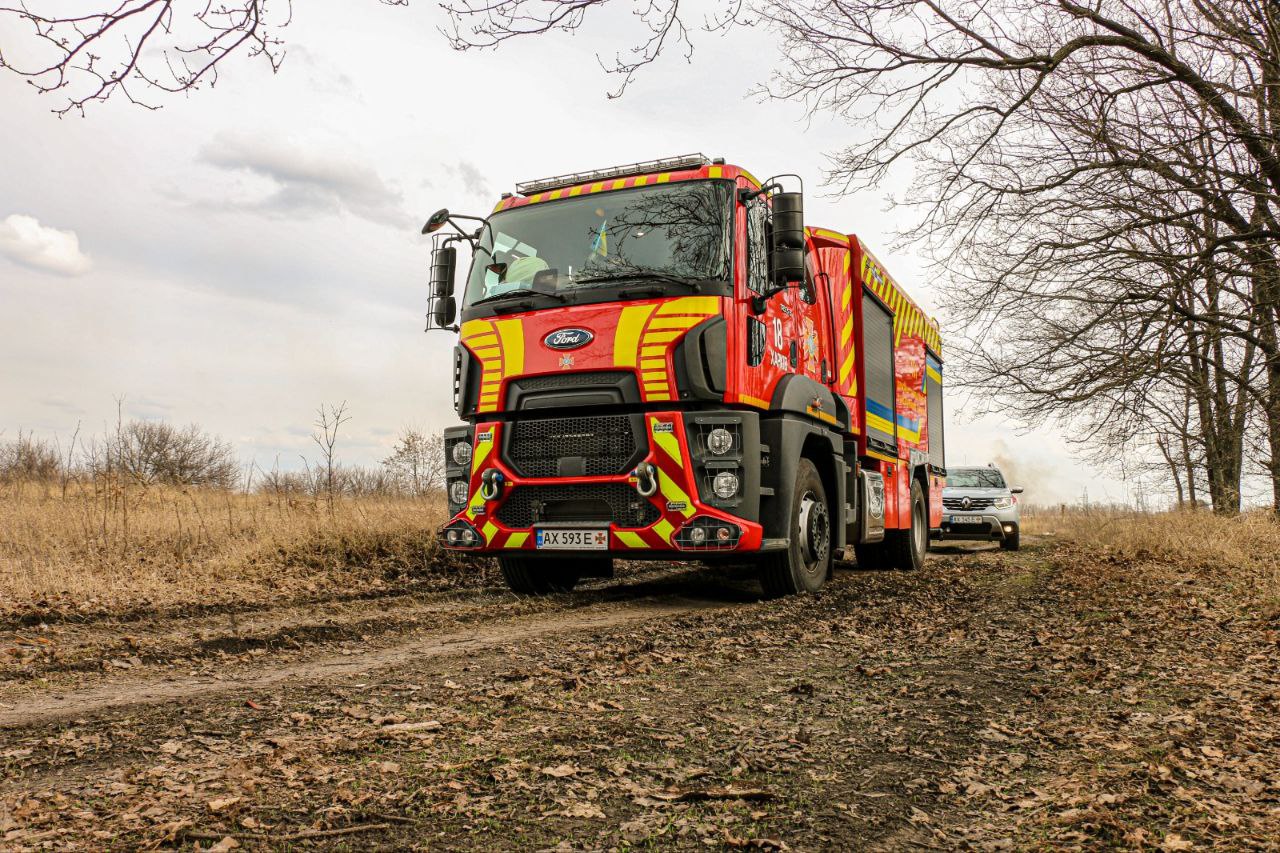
(1017, 490)
(788, 267)
(444, 308)
(437, 221)
(444, 312)
(444, 261)
(788, 221)
(788, 238)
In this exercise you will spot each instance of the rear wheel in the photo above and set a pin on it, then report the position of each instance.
(538, 577)
(806, 564)
(906, 548)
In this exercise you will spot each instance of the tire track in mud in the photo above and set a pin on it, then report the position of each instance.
(51, 705)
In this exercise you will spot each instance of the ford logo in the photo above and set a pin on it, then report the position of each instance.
(568, 338)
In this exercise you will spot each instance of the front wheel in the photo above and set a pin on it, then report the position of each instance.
(806, 564)
(906, 548)
(527, 576)
(1011, 541)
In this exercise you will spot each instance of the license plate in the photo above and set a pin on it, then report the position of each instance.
(966, 519)
(574, 540)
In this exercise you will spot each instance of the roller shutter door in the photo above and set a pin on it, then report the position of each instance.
(877, 343)
(933, 394)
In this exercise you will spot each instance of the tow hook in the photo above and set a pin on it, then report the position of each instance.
(646, 477)
(491, 484)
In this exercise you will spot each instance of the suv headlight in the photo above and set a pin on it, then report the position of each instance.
(1003, 503)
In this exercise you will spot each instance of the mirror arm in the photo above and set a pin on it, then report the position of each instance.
(745, 195)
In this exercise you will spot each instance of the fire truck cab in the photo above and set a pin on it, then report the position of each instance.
(661, 361)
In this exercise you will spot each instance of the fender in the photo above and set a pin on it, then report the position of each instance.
(804, 396)
(785, 437)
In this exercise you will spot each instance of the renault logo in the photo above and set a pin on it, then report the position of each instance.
(568, 338)
(966, 503)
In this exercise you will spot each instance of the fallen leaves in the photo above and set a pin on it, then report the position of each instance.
(222, 804)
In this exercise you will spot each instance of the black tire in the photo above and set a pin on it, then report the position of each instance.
(1011, 541)
(526, 576)
(806, 564)
(905, 549)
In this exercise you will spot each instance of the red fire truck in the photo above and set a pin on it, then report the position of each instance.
(660, 360)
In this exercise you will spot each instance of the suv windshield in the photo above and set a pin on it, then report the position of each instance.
(676, 235)
(974, 478)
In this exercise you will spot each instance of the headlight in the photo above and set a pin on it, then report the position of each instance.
(1003, 503)
(725, 485)
(462, 453)
(458, 492)
(719, 441)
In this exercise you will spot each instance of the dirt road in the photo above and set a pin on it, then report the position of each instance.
(990, 700)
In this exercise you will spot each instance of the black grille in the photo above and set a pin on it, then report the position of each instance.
(574, 447)
(974, 503)
(571, 380)
(598, 502)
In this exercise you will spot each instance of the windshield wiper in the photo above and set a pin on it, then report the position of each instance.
(512, 294)
(667, 278)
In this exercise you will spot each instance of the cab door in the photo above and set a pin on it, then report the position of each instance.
(810, 348)
(770, 332)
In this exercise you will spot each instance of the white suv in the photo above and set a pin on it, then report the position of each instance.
(977, 503)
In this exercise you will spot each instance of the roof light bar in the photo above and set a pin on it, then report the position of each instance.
(669, 164)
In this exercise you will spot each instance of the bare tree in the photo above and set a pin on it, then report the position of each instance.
(416, 464)
(329, 420)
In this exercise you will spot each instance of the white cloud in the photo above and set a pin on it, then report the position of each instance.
(25, 241)
(305, 182)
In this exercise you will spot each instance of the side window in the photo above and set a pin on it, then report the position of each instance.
(757, 246)
(808, 292)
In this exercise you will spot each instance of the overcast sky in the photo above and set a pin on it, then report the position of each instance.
(250, 252)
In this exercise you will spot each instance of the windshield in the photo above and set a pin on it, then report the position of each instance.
(675, 233)
(975, 478)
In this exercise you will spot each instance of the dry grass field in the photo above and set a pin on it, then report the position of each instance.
(1239, 556)
(208, 670)
(99, 550)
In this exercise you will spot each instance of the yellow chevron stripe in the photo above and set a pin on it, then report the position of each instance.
(847, 367)
(847, 332)
(653, 364)
(489, 529)
(675, 322)
(627, 339)
(512, 334)
(655, 376)
(655, 351)
(661, 337)
(707, 305)
(631, 540)
(515, 540)
(668, 442)
(664, 530)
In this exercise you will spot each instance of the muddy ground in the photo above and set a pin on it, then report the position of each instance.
(1041, 699)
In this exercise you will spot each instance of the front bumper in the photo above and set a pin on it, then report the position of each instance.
(992, 526)
(654, 509)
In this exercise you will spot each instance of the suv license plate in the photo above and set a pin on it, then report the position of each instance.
(966, 519)
(574, 540)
